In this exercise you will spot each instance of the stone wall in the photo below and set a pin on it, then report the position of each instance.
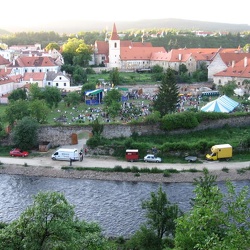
(62, 135)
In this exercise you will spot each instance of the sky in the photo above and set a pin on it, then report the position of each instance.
(27, 13)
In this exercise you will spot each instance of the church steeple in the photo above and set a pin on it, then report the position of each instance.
(114, 35)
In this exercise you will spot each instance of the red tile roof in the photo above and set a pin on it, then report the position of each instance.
(139, 53)
(33, 61)
(3, 61)
(36, 76)
(228, 58)
(240, 70)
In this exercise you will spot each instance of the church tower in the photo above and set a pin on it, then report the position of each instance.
(114, 50)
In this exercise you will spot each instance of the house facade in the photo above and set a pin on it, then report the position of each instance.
(32, 64)
(59, 80)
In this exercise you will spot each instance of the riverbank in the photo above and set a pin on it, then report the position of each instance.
(185, 177)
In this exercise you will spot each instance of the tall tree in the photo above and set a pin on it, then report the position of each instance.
(167, 97)
(17, 94)
(39, 110)
(216, 221)
(112, 103)
(52, 96)
(16, 110)
(50, 223)
(161, 216)
(228, 89)
(114, 77)
(25, 133)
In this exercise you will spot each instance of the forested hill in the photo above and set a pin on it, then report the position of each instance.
(169, 23)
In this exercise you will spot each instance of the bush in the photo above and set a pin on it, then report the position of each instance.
(184, 120)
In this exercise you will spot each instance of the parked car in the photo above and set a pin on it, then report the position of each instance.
(18, 152)
(151, 158)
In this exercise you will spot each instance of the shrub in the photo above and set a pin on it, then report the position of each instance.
(184, 120)
(166, 173)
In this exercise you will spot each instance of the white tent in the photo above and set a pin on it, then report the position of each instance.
(223, 104)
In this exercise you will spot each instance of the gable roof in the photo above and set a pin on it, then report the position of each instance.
(102, 47)
(33, 61)
(139, 53)
(51, 75)
(239, 70)
(35, 76)
(4, 61)
(229, 58)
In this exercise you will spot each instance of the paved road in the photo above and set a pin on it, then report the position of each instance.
(110, 162)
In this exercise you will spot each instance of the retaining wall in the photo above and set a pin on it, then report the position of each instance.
(62, 135)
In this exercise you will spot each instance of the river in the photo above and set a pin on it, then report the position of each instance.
(115, 206)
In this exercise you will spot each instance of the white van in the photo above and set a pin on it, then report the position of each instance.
(65, 154)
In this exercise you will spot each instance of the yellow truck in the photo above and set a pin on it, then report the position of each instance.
(221, 151)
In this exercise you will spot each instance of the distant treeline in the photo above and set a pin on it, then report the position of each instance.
(170, 39)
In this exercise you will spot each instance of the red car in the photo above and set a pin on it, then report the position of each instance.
(18, 152)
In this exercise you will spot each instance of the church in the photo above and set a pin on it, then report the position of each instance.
(124, 54)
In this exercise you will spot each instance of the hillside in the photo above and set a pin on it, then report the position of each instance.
(170, 23)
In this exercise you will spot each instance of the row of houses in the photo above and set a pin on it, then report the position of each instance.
(23, 65)
(27, 64)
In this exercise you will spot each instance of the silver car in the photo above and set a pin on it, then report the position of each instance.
(152, 158)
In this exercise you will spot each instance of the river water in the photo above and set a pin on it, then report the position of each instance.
(115, 206)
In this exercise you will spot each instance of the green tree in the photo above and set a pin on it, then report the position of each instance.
(228, 89)
(16, 110)
(17, 94)
(79, 75)
(216, 221)
(161, 216)
(72, 98)
(25, 133)
(50, 223)
(76, 52)
(112, 102)
(167, 97)
(83, 56)
(114, 77)
(52, 46)
(52, 96)
(35, 92)
(39, 110)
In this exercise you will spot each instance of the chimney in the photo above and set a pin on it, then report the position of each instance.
(245, 62)
(179, 57)
(233, 63)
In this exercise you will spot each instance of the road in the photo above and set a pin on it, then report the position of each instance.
(111, 162)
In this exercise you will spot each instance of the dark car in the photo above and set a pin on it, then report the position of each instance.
(18, 152)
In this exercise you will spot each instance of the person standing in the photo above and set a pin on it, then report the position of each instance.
(81, 155)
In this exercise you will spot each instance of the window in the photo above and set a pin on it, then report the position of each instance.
(115, 45)
(49, 83)
(60, 78)
(64, 84)
(57, 84)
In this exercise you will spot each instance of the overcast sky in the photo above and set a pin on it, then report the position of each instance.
(31, 13)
